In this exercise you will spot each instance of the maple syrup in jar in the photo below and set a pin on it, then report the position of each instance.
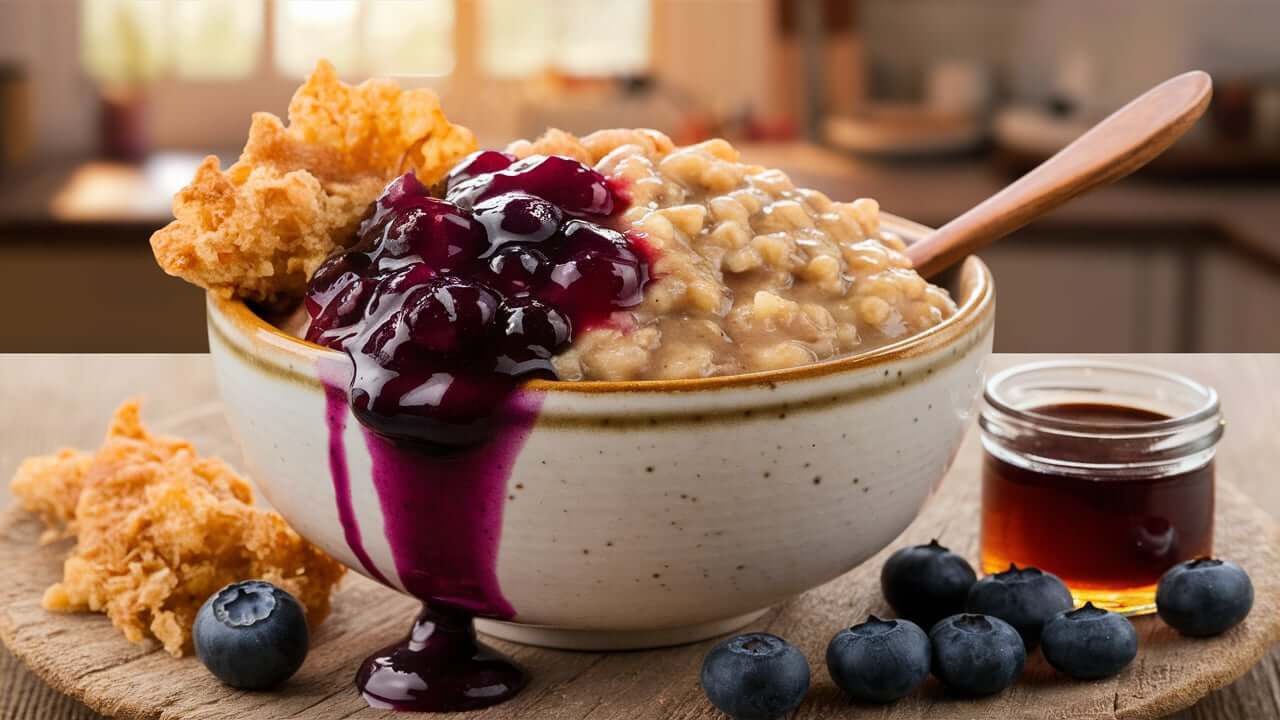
(1100, 473)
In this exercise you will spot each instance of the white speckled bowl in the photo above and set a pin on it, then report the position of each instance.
(652, 513)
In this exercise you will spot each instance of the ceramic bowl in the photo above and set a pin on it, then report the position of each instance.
(640, 514)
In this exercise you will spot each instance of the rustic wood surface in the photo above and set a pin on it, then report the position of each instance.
(65, 400)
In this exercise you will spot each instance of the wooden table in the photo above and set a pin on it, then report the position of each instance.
(56, 400)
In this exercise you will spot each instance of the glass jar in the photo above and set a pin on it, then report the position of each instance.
(1099, 472)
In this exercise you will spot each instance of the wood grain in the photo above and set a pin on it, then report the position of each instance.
(84, 656)
(1123, 142)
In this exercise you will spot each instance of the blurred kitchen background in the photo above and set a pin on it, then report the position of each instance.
(929, 106)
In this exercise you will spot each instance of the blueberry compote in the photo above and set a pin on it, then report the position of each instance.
(445, 304)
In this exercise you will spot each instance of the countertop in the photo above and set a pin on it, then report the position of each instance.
(60, 400)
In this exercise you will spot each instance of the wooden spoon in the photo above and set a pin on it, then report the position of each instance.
(1130, 138)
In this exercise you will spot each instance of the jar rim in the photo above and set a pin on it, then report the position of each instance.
(1208, 409)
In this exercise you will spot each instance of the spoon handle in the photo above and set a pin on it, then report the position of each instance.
(1125, 141)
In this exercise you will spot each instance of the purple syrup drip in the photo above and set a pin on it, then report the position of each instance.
(336, 418)
(442, 510)
(442, 517)
(439, 667)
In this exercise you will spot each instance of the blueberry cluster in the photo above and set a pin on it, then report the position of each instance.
(446, 303)
(979, 633)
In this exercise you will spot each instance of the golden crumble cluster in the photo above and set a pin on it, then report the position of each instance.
(159, 529)
(260, 228)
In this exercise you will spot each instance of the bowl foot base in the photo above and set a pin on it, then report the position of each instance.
(575, 639)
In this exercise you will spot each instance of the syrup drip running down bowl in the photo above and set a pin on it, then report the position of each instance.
(618, 515)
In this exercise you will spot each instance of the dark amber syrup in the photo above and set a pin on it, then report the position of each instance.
(1109, 538)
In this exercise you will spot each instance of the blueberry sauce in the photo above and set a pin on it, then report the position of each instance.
(440, 667)
(336, 419)
(442, 511)
(446, 305)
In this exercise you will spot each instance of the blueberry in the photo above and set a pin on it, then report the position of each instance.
(479, 162)
(400, 194)
(337, 266)
(755, 677)
(517, 217)
(585, 235)
(1089, 643)
(976, 654)
(336, 308)
(530, 333)
(1204, 597)
(446, 312)
(517, 269)
(591, 279)
(1026, 598)
(438, 233)
(577, 189)
(251, 635)
(925, 583)
(879, 661)
(399, 281)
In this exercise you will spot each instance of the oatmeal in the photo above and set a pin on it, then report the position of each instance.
(750, 272)
(158, 530)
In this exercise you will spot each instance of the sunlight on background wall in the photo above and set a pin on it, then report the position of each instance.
(515, 43)
(575, 37)
(307, 30)
(217, 39)
(124, 41)
(409, 37)
(135, 40)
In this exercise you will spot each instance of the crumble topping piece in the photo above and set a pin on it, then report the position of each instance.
(158, 530)
(260, 228)
(49, 485)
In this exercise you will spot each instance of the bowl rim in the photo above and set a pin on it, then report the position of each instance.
(974, 276)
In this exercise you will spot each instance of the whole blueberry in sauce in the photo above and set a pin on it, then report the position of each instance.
(447, 305)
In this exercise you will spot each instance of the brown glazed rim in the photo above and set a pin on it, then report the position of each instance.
(975, 284)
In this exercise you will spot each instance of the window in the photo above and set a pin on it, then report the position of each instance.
(132, 41)
(307, 30)
(124, 41)
(575, 37)
(373, 37)
(516, 37)
(409, 37)
(217, 39)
